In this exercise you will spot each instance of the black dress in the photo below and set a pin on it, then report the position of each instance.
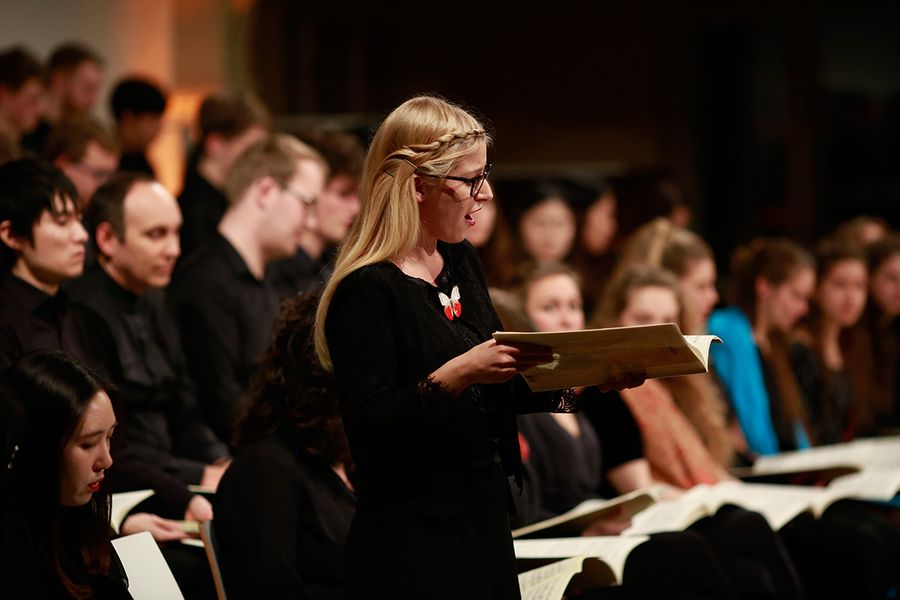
(432, 513)
(281, 522)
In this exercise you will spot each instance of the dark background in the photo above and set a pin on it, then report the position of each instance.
(773, 121)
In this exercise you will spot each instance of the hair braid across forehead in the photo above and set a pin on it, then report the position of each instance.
(447, 138)
(416, 155)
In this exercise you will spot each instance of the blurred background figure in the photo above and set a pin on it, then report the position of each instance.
(137, 105)
(336, 209)
(74, 75)
(227, 124)
(85, 152)
(21, 98)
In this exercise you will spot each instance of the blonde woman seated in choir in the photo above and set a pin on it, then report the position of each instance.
(660, 244)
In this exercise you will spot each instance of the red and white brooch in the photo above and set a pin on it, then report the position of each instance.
(451, 304)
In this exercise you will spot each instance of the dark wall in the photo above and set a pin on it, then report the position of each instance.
(779, 122)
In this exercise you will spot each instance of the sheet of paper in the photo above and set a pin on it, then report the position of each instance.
(149, 577)
(592, 356)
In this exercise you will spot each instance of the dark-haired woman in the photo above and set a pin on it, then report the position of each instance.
(57, 425)
(284, 506)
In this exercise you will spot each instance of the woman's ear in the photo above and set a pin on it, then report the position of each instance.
(420, 187)
(761, 287)
(8, 237)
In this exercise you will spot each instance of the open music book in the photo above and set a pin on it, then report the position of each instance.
(590, 562)
(779, 504)
(592, 356)
(573, 522)
(862, 453)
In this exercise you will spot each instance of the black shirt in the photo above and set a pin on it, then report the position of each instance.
(31, 319)
(281, 522)
(430, 485)
(202, 207)
(136, 162)
(567, 467)
(300, 273)
(225, 315)
(35, 142)
(155, 393)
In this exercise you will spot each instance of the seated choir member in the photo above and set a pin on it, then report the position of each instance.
(223, 303)
(830, 353)
(134, 223)
(336, 208)
(85, 152)
(228, 124)
(42, 245)
(775, 279)
(571, 461)
(659, 243)
(595, 252)
(137, 106)
(21, 97)
(545, 225)
(74, 78)
(57, 424)
(882, 326)
(285, 505)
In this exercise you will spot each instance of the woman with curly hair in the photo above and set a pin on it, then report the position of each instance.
(284, 506)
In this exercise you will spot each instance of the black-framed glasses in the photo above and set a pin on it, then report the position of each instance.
(307, 199)
(475, 183)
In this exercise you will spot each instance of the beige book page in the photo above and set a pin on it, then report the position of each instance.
(122, 504)
(676, 514)
(778, 504)
(592, 356)
(578, 519)
(873, 483)
(550, 581)
(612, 550)
(875, 452)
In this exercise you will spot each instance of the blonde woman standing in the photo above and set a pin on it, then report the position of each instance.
(427, 397)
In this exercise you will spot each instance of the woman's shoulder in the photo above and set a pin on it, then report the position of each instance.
(269, 453)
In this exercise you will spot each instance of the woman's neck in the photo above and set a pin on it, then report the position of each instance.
(761, 332)
(423, 261)
(830, 333)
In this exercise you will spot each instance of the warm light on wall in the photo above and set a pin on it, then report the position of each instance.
(169, 150)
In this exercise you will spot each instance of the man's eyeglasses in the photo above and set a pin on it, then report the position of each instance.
(475, 183)
(307, 199)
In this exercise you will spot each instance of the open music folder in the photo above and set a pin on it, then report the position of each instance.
(593, 356)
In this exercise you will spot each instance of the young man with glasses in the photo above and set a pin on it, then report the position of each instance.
(336, 209)
(224, 305)
(85, 152)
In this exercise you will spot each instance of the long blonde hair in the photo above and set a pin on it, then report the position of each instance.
(424, 134)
